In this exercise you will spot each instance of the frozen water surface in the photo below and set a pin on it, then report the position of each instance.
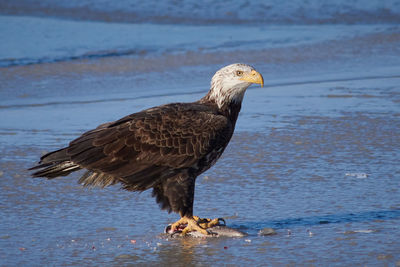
(315, 155)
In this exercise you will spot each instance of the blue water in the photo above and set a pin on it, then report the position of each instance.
(55, 40)
(211, 12)
(314, 156)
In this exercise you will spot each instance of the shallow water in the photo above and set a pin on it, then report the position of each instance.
(314, 156)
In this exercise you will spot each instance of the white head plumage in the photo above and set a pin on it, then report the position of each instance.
(230, 83)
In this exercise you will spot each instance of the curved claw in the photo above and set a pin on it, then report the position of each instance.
(222, 220)
(208, 223)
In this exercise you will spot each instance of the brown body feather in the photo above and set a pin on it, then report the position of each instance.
(164, 148)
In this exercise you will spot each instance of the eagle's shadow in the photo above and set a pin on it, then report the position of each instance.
(338, 218)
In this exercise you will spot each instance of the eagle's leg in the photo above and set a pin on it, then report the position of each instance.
(177, 194)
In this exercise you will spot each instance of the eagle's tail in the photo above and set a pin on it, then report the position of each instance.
(54, 164)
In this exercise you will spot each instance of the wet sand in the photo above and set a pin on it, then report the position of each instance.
(315, 157)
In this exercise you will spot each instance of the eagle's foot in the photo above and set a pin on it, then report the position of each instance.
(208, 223)
(191, 224)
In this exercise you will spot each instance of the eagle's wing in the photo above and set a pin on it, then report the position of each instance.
(141, 148)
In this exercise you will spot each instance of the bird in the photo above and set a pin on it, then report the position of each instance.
(163, 148)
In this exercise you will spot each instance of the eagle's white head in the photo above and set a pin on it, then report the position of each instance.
(230, 83)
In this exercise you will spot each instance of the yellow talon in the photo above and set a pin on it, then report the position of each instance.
(195, 224)
(206, 222)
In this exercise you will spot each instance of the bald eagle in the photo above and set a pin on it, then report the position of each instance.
(164, 148)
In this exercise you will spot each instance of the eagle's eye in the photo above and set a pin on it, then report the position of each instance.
(239, 73)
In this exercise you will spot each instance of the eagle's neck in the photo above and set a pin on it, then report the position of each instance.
(230, 107)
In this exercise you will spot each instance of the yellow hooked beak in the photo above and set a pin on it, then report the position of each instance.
(253, 77)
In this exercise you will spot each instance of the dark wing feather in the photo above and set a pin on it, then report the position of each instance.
(142, 148)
